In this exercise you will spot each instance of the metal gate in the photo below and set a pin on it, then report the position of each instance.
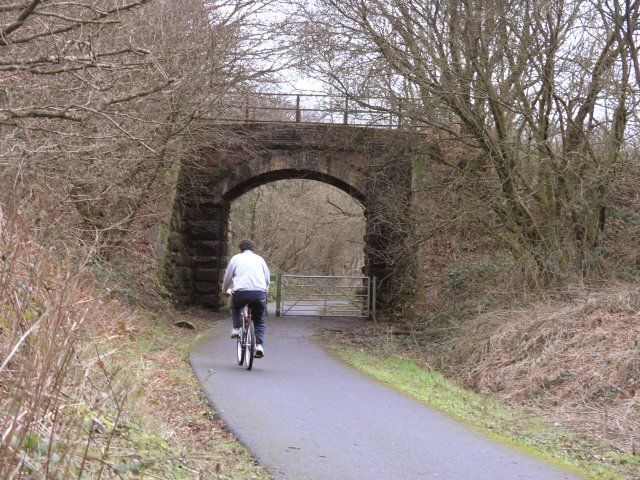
(326, 296)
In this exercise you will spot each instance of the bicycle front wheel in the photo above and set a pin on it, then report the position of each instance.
(249, 347)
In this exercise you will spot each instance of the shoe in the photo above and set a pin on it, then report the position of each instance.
(235, 333)
(259, 351)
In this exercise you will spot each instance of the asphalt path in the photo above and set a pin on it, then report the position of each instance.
(304, 414)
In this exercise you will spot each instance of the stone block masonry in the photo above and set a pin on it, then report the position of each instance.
(231, 159)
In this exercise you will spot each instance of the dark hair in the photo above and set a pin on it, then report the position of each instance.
(246, 245)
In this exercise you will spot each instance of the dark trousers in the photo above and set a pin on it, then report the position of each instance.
(257, 302)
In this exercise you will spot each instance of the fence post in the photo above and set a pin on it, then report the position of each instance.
(324, 295)
(246, 108)
(367, 281)
(374, 290)
(278, 294)
(345, 120)
(298, 112)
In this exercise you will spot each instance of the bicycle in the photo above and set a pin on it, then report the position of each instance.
(246, 347)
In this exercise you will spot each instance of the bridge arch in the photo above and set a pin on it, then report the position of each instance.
(249, 156)
(257, 171)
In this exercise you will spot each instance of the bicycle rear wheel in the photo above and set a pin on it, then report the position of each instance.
(240, 349)
(249, 346)
(241, 340)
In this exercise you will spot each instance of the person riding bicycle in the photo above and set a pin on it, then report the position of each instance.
(250, 277)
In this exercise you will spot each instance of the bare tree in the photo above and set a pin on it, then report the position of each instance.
(99, 95)
(538, 93)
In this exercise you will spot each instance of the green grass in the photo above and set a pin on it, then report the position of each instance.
(496, 420)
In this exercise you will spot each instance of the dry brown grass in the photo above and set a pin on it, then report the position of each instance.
(53, 385)
(574, 359)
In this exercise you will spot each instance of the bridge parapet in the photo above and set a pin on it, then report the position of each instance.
(378, 112)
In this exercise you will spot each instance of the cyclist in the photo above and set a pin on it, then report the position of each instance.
(250, 277)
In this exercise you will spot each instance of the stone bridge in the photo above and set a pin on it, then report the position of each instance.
(371, 164)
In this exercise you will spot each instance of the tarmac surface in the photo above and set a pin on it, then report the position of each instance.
(304, 414)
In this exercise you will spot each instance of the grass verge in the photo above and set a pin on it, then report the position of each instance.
(170, 423)
(495, 419)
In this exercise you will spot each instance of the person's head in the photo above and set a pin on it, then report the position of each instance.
(247, 245)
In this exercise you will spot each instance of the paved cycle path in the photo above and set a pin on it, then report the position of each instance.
(305, 415)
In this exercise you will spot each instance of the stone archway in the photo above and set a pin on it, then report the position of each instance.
(250, 155)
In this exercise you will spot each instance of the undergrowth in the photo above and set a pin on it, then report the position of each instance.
(574, 356)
